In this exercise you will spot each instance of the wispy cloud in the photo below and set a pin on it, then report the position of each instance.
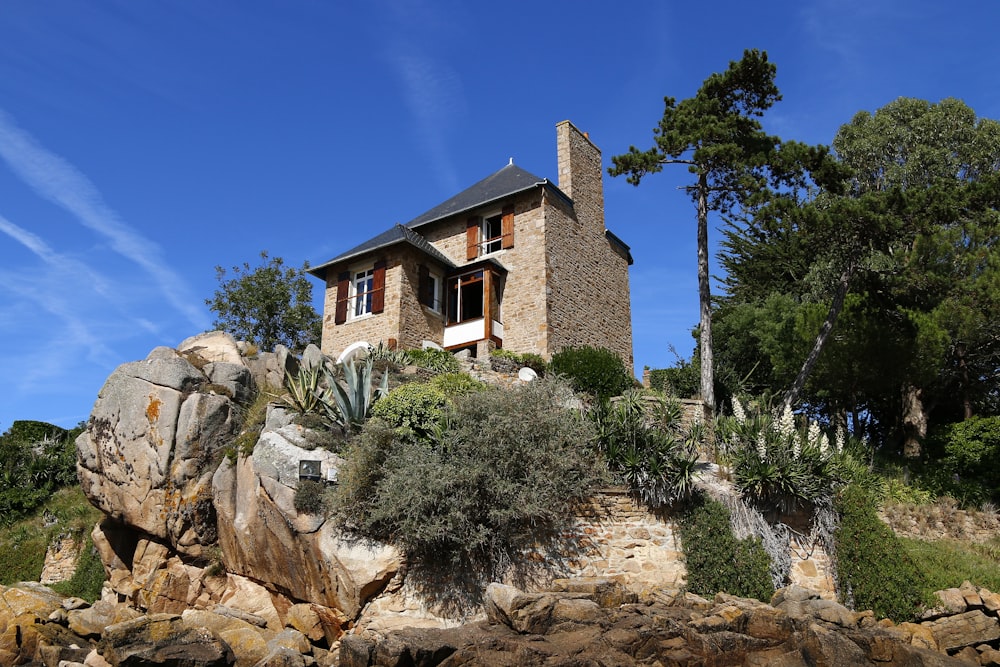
(431, 88)
(55, 179)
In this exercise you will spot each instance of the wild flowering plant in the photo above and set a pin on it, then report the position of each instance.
(775, 463)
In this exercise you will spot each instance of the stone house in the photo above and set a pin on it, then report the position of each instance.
(514, 261)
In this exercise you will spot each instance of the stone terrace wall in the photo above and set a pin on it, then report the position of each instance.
(620, 539)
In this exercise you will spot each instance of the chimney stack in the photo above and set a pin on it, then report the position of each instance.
(580, 173)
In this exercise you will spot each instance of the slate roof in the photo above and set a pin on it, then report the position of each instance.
(508, 181)
(396, 234)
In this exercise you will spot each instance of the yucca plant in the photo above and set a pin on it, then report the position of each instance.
(644, 450)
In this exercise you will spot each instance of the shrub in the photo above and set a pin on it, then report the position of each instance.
(415, 407)
(645, 452)
(717, 561)
(309, 497)
(774, 465)
(88, 577)
(969, 464)
(875, 571)
(500, 478)
(593, 370)
(456, 384)
(682, 380)
(505, 361)
(439, 361)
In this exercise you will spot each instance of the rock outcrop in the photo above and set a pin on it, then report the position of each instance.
(191, 521)
(591, 622)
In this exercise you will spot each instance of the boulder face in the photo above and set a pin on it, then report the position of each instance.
(157, 459)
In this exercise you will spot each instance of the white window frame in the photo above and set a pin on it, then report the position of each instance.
(437, 291)
(357, 309)
(488, 245)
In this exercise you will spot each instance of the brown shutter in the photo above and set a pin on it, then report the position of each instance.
(507, 227)
(424, 286)
(472, 237)
(343, 295)
(378, 287)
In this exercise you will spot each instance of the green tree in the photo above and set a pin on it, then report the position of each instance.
(268, 305)
(911, 234)
(718, 136)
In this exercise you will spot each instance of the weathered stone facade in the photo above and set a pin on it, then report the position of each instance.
(563, 279)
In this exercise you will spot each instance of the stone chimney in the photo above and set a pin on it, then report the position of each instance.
(580, 173)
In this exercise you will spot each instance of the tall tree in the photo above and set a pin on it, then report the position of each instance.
(718, 136)
(268, 305)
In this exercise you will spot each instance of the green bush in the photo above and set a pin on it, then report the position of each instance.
(682, 380)
(456, 384)
(645, 451)
(310, 497)
(88, 577)
(416, 407)
(505, 361)
(875, 571)
(439, 361)
(967, 465)
(36, 459)
(593, 370)
(501, 477)
(715, 560)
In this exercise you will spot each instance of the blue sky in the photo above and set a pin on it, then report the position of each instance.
(142, 143)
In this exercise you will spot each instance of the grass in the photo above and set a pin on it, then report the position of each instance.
(947, 563)
(23, 544)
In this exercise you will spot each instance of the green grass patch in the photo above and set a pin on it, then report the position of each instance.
(23, 544)
(947, 563)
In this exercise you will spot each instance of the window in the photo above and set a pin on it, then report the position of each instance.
(360, 292)
(430, 288)
(465, 297)
(489, 233)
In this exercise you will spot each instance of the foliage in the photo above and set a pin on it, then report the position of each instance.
(268, 305)
(501, 477)
(252, 418)
(641, 439)
(679, 380)
(383, 353)
(593, 370)
(317, 390)
(774, 464)
(456, 384)
(875, 571)
(503, 360)
(88, 578)
(31, 470)
(967, 458)
(23, 542)
(716, 560)
(718, 136)
(908, 239)
(310, 497)
(948, 563)
(413, 407)
(439, 361)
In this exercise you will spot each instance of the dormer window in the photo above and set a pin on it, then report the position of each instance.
(489, 233)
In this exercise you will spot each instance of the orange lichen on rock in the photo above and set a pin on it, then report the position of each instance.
(153, 409)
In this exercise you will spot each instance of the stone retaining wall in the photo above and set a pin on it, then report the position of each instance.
(620, 539)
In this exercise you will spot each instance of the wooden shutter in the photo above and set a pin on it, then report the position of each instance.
(507, 227)
(472, 237)
(378, 287)
(343, 296)
(424, 286)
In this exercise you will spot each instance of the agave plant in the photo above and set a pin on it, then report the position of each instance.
(305, 394)
(351, 404)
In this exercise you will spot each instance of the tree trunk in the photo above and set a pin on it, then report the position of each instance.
(705, 297)
(914, 421)
(964, 382)
(792, 395)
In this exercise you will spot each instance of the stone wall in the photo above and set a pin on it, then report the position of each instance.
(588, 280)
(620, 539)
